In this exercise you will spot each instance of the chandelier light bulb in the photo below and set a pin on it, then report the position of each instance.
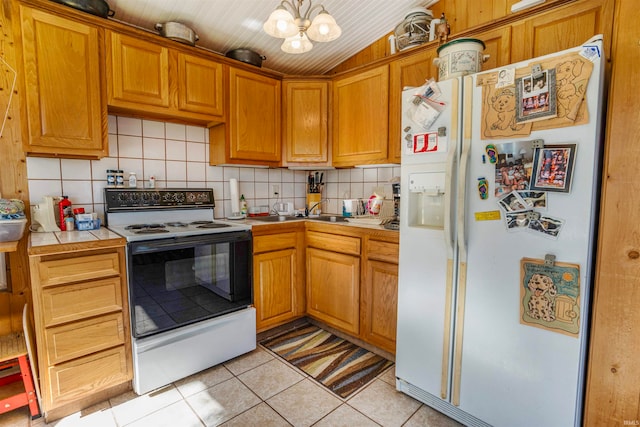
(288, 23)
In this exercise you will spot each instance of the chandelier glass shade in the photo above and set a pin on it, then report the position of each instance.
(288, 22)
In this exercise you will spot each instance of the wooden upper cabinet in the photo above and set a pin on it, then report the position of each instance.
(561, 28)
(412, 71)
(252, 133)
(138, 71)
(305, 122)
(361, 118)
(64, 94)
(149, 78)
(200, 85)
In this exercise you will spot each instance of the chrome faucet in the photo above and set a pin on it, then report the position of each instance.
(315, 205)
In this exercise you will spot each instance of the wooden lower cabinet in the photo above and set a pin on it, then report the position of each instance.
(379, 301)
(333, 289)
(81, 324)
(278, 275)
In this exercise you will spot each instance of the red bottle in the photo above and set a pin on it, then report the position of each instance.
(64, 209)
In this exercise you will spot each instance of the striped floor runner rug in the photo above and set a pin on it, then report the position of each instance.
(337, 364)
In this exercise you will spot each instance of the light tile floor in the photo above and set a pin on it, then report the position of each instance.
(256, 389)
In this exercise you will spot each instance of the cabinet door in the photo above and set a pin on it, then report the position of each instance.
(361, 118)
(66, 112)
(306, 114)
(560, 28)
(254, 117)
(138, 72)
(275, 278)
(380, 305)
(333, 289)
(413, 71)
(200, 84)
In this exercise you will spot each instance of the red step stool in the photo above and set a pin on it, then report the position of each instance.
(13, 353)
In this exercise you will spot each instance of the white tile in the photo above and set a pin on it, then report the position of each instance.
(231, 172)
(275, 175)
(99, 415)
(97, 188)
(248, 361)
(332, 176)
(196, 171)
(129, 126)
(203, 380)
(304, 403)
(196, 133)
(261, 190)
(260, 415)
(426, 416)
(130, 146)
(99, 167)
(113, 145)
(247, 188)
(344, 190)
(215, 173)
(176, 414)
(43, 168)
(288, 175)
(131, 165)
(129, 407)
(196, 152)
(173, 184)
(384, 404)
(222, 402)
(287, 190)
(357, 190)
(153, 148)
(152, 129)
(112, 124)
(331, 190)
(370, 175)
(218, 192)
(80, 192)
(344, 175)
(176, 171)
(299, 189)
(175, 131)
(261, 175)
(345, 416)
(396, 171)
(75, 169)
(38, 188)
(357, 175)
(300, 176)
(155, 168)
(270, 378)
(384, 174)
(176, 150)
(247, 174)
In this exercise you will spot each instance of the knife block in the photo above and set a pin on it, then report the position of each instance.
(314, 199)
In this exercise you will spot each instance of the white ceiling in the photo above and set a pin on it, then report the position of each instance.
(223, 25)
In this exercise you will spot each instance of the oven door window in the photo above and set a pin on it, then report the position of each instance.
(174, 284)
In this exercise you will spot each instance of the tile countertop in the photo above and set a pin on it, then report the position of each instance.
(371, 223)
(66, 241)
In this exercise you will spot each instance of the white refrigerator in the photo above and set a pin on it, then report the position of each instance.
(497, 234)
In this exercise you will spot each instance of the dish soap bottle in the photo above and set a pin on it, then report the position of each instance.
(243, 205)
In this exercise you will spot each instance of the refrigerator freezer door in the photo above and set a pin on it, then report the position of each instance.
(513, 373)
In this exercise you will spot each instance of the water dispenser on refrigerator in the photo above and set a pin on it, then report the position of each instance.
(426, 199)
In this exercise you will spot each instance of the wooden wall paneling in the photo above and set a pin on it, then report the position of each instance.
(13, 173)
(613, 390)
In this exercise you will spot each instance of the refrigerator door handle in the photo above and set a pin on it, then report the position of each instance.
(462, 240)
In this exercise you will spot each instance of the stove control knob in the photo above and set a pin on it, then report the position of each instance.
(179, 197)
(191, 197)
(145, 197)
(155, 197)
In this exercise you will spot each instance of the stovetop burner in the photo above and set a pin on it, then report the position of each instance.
(176, 224)
(201, 222)
(144, 226)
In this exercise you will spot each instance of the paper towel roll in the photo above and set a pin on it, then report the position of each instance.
(235, 199)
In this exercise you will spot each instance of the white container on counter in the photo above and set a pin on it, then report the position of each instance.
(12, 229)
(460, 57)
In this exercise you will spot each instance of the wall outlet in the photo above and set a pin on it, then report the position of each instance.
(275, 191)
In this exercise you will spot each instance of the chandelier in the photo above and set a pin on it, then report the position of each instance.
(289, 23)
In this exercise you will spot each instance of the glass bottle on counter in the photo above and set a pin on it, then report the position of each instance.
(133, 180)
(243, 205)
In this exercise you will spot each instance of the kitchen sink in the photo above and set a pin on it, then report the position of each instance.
(275, 218)
(329, 218)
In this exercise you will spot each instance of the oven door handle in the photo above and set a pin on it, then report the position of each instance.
(148, 246)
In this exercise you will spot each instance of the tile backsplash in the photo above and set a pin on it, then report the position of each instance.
(178, 156)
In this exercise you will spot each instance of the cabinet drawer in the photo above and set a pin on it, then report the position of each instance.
(334, 242)
(81, 338)
(382, 251)
(274, 242)
(88, 375)
(81, 300)
(76, 269)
